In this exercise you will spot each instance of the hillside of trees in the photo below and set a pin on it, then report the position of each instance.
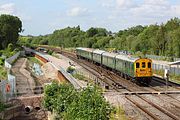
(163, 39)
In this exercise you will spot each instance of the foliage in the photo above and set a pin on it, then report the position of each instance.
(3, 73)
(1, 61)
(78, 76)
(163, 39)
(118, 114)
(10, 26)
(70, 104)
(50, 52)
(70, 69)
(10, 50)
(2, 106)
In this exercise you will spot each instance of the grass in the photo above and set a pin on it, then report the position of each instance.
(173, 78)
(3, 106)
(3, 73)
(83, 78)
(34, 60)
(78, 76)
(159, 72)
(55, 55)
(118, 114)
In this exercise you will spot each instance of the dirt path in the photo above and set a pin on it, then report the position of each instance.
(24, 82)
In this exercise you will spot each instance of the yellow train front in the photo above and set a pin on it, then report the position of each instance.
(143, 70)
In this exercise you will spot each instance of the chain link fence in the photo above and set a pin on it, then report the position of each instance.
(161, 68)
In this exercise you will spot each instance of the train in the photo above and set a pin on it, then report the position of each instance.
(135, 69)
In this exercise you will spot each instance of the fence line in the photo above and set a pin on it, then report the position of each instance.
(156, 57)
(173, 70)
(11, 79)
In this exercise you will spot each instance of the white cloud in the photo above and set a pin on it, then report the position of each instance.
(8, 8)
(156, 8)
(77, 11)
(125, 4)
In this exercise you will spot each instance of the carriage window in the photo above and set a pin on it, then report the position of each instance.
(137, 65)
(143, 65)
(149, 65)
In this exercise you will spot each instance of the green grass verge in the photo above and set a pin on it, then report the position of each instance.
(33, 60)
(78, 76)
(118, 114)
(3, 73)
(173, 78)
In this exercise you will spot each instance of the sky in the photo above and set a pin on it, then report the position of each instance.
(40, 17)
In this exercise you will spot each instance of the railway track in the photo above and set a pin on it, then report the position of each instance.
(117, 83)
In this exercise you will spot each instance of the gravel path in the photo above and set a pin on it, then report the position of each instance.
(24, 81)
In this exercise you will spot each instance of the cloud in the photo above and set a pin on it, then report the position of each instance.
(156, 8)
(144, 9)
(77, 11)
(124, 4)
(8, 8)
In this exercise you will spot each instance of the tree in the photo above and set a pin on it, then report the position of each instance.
(90, 105)
(70, 104)
(10, 27)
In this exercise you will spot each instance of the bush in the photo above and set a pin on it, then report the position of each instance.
(50, 52)
(1, 61)
(70, 69)
(70, 104)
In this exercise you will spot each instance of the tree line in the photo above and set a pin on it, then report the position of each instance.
(163, 39)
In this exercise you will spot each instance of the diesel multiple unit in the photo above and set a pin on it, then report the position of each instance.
(139, 69)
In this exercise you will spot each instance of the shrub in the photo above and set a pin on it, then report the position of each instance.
(70, 104)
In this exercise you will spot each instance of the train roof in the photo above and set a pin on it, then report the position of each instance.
(85, 49)
(97, 51)
(108, 54)
(126, 58)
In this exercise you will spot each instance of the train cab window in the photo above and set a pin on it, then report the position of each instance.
(149, 65)
(137, 65)
(143, 64)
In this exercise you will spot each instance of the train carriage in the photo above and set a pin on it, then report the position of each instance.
(97, 56)
(108, 59)
(85, 53)
(125, 65)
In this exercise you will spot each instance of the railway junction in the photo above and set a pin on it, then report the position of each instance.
(139, 102)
